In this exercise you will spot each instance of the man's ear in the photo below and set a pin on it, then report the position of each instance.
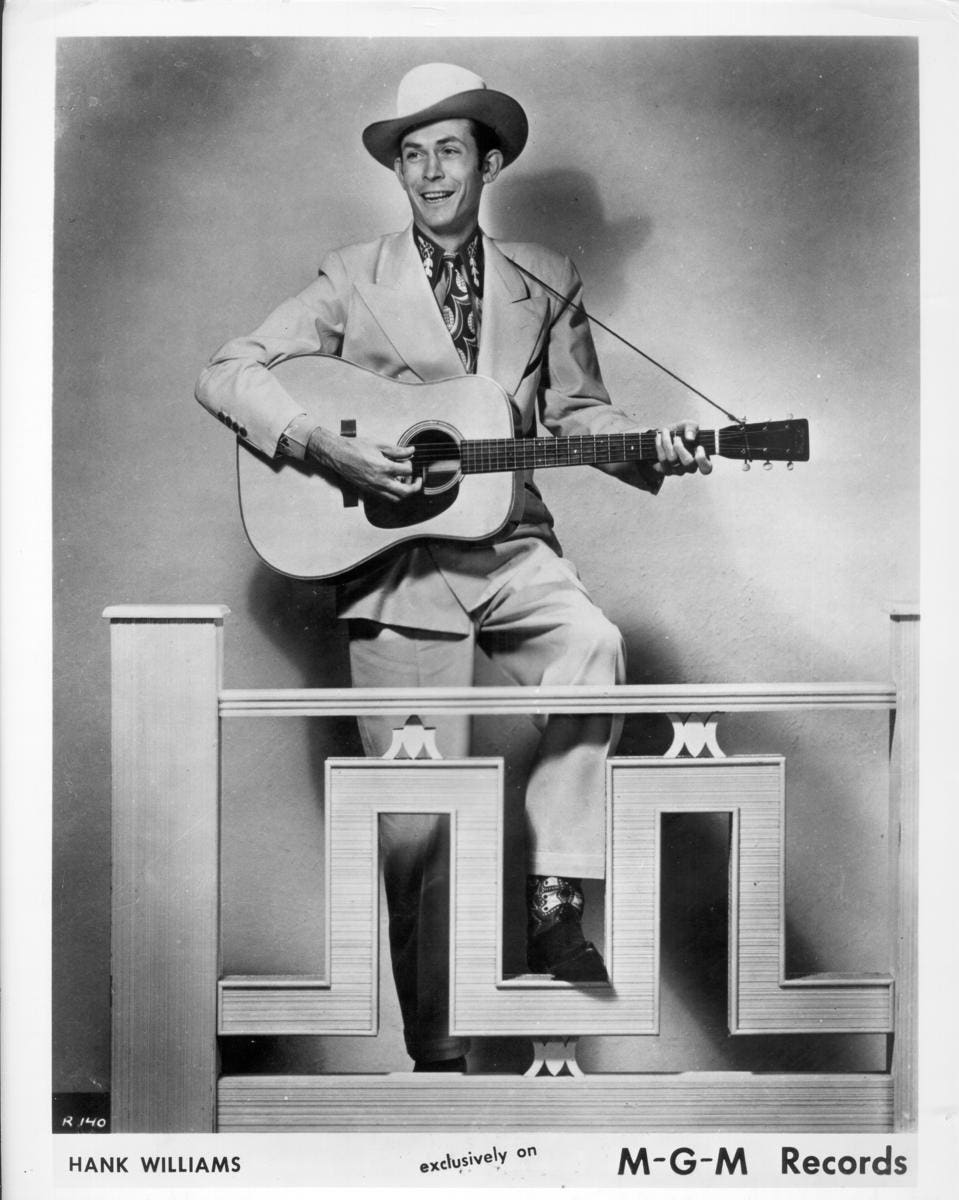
(492, 165)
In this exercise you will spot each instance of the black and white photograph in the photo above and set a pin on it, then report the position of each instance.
(468, 479)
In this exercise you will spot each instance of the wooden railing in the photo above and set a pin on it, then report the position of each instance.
(499, 701)
(168, 704)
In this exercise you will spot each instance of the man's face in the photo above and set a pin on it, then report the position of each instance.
(440, 171)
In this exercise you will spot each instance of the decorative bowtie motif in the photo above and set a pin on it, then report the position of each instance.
(457, 309)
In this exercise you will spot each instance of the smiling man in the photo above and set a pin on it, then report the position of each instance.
(437, 300)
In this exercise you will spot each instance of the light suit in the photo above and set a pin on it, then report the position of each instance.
(416, 614)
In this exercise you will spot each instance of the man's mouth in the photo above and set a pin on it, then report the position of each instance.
(435, 197)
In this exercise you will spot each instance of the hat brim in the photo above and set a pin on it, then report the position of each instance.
(500, 112)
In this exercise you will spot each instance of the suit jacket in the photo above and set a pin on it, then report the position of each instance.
(372, 304)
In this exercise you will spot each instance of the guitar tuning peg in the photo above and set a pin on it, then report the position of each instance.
(746, 465)
(767, 465)
(789, 465)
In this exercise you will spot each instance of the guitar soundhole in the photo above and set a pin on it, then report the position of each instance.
(436, 461)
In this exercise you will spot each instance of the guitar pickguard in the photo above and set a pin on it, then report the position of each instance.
(413, 511)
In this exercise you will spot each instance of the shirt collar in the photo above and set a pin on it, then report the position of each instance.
(471, 252)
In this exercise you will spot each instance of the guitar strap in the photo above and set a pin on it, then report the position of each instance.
(626, 342)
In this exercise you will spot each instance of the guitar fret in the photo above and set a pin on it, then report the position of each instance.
(508, 454)
(526, 454)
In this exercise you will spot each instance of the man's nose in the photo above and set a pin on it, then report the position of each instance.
(434, 168)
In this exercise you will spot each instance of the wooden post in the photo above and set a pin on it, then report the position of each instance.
(166, 676)
(904, 849)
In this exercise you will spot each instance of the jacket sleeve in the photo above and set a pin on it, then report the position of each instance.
(573, 399)
(236, 385)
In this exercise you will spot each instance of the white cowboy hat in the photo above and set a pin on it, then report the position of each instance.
(440, 92)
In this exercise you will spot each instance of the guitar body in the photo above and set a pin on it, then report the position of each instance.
(306, 523)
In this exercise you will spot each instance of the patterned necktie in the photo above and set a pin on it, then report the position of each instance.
(457, 308)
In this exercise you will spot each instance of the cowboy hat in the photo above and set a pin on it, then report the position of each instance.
(440, 92)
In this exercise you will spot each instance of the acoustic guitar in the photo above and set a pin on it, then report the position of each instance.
(308, 523)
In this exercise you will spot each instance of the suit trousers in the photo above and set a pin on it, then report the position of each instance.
(541, 628)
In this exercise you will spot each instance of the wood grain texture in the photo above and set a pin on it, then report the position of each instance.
(904, 866)
(752, 791)
(166, 673)
(721, 1101)
(357, 791)
(483, 1002)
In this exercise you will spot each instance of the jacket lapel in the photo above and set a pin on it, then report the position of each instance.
(513, 321)
(403, 305)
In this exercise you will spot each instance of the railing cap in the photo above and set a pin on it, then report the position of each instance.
(166, 612)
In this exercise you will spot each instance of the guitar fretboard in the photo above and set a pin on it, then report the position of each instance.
(521, 454)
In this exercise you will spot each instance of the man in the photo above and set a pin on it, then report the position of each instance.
(436, 300)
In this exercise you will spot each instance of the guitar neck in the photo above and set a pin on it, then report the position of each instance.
(521, 454)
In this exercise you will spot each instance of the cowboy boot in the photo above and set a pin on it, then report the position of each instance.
(556, 945)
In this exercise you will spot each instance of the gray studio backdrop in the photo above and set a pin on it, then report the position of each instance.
(746, 210)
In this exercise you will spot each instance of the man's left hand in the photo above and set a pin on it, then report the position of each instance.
(677, 452)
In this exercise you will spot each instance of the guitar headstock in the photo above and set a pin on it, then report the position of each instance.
(766, 441)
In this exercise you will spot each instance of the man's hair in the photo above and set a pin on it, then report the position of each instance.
(485, 138)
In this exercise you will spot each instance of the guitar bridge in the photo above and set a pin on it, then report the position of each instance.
(351, 497)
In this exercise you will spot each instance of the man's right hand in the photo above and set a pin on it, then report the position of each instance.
(374, 468)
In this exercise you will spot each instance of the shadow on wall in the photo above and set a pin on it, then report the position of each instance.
(299, 618)
(562, 209)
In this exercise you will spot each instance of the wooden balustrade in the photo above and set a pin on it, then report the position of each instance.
(168, 703)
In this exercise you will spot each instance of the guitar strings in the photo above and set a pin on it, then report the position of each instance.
(509, 451)
(630, 443)
(439, 450)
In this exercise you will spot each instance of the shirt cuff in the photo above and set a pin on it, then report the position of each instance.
(293, 441)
